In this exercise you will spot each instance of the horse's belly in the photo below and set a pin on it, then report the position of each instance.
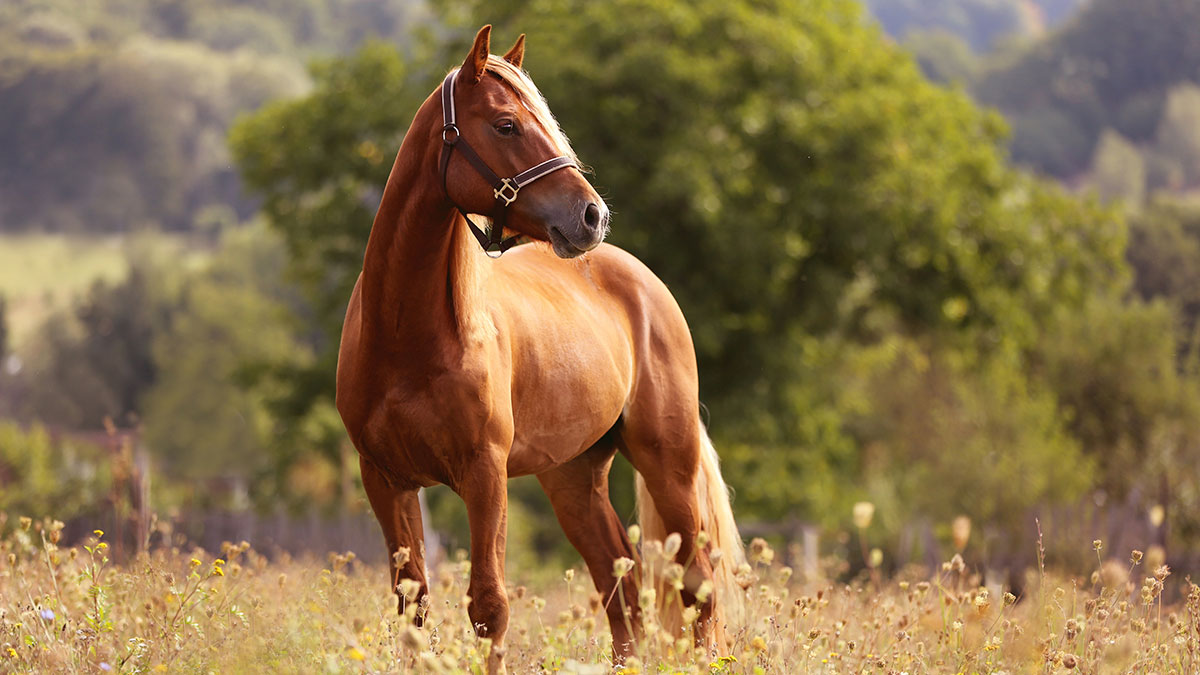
(559, 414)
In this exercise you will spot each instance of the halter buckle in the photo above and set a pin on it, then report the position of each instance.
(507, 191)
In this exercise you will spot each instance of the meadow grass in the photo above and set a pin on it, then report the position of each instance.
(69, 609)
(43, 272)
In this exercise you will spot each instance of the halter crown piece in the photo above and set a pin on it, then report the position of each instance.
(504, 189)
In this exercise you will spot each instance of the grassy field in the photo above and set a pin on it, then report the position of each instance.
(70, 610)
(40, 273)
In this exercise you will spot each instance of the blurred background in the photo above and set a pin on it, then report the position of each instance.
(941, 257)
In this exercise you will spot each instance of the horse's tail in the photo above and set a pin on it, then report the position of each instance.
(716, 520)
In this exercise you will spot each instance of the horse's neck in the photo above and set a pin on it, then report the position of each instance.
(422, 282)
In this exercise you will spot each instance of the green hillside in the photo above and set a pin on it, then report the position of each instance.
(113, 113)
(1114, 67)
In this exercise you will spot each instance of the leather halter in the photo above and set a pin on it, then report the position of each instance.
(504, 189)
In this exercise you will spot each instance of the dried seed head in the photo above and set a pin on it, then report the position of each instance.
(1114, 574)
(413, 639)
(621, 567)
(409, 589)
(760, 552)
(690, 614)
(674, 575)
(635, 533)
(1157, 515)
(402, 556)
(647, 598)
(960, 530)
(672, 544)
(862, 515)
(744, 576)
(1162, 572)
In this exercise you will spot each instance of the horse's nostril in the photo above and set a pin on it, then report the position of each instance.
(591, 215)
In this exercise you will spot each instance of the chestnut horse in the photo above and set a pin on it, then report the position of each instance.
(463, 370)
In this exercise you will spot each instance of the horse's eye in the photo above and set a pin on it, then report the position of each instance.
(506, 128)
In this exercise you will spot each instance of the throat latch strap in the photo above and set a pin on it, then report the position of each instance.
(505, 190)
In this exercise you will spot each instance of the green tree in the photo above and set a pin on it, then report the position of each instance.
(1115, 368)
(980, 23)
(319, 164)
(96, 363)
(203, 420)
(1111, 67)
(832, 191)
(43, 477)
(1118, 170)
(943, 56)
(1164, 252)
(799, 185)
(1178, 138)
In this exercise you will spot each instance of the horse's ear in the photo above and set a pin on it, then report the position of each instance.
(476, 63)
(516, 55)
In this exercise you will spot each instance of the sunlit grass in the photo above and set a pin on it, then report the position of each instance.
(41, 273)
(71, 610)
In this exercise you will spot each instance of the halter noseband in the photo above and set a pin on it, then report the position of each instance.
(504, 189)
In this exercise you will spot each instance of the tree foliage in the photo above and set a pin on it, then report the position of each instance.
(812, 201)
(41, 476)
(201, 418)
(95, 363)
(113, 113)
(1110, 68)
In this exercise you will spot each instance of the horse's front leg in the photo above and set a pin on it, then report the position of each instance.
(484, 488)
(398, 510)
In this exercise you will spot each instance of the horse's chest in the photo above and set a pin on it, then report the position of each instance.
(427, 429)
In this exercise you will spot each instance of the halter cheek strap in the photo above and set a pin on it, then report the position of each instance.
(505, 190)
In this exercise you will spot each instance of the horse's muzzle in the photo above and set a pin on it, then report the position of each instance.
(569, 242)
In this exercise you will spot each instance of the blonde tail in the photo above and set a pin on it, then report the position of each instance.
(716, 519)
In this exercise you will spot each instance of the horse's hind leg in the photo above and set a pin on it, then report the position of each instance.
(399, 513)
(578, 491)
(661, 437)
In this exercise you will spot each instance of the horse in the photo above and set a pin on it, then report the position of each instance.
(464, 367)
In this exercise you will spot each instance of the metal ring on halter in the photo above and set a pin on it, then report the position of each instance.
(446, 130)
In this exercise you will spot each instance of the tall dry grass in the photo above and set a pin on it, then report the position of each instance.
(69, 609)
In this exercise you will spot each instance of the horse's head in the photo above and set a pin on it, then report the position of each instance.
(505, 121)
